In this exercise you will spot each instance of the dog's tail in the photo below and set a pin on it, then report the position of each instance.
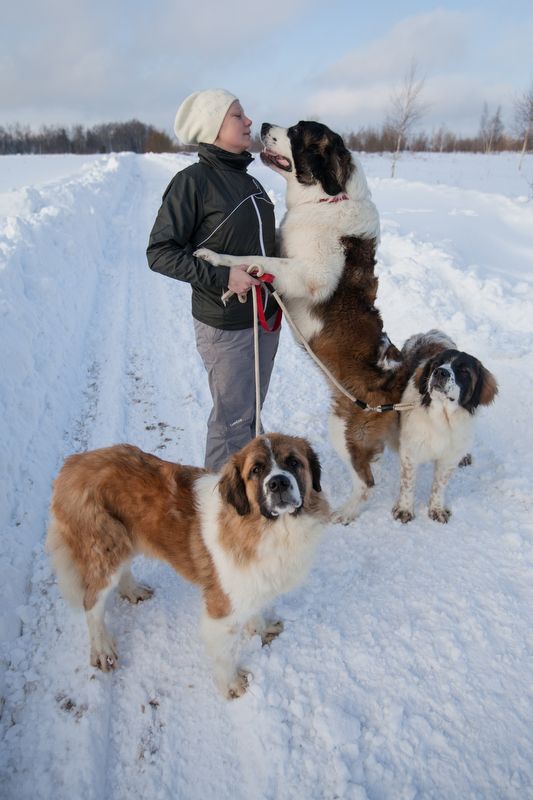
(69, 579)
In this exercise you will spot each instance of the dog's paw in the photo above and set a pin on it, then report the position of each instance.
(405, 515)
(207, 255)
(349, 510)
(238, 685)
(272, 629)
(439, 514)
(466, 461)
(137, 593)
(343, 516)
(105, 657)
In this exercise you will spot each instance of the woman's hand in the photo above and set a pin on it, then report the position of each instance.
(241, 281)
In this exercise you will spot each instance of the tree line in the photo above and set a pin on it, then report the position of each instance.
(397, 133)
(109, 137)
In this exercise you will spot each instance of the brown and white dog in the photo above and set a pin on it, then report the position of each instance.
(325, 275)
(447, 387)
(245, 536)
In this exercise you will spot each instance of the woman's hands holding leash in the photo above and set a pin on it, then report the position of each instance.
(241, 281)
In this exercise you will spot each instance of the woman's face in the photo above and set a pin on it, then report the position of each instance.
(234, 134)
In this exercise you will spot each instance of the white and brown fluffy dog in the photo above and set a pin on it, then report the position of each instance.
(245, 536)
(447, 387)
(325, 275)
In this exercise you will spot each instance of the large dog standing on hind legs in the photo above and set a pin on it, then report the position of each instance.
(325, 274)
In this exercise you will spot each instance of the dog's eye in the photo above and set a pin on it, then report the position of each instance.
(293, 462)
(256, 469)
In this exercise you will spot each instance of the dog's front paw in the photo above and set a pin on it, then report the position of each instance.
(238, 685)
(272, 628)
(439, 514)
(105, 657)
(207, 255)
(405, 515)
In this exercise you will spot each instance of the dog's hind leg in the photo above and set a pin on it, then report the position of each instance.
(103, 649)
(130, 589)
(362, 479)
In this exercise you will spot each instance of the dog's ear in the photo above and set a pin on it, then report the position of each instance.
(422, 376)
(343, 164)
(489, 390)
(334, 166)
(316, 469)
(485, 390)
(232, 489)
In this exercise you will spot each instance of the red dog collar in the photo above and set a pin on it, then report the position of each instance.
(336, 199)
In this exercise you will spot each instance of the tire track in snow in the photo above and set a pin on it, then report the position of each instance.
(164, 678)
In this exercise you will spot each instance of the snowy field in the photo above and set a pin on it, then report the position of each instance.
(404, 670)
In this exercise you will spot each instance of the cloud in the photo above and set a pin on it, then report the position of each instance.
(98, 60)
(435, 40)
(356, 90)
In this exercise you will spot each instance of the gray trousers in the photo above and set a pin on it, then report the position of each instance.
(228, 357)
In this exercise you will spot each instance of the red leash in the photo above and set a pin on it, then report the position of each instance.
(266, 278)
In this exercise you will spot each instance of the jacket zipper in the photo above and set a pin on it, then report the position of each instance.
(260, 226)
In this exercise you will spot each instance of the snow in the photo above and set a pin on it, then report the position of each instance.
(404, 670)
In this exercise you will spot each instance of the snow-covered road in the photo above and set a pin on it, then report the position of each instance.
(404, 670)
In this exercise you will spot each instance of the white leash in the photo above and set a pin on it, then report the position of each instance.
(256, 367)
(359, 403)
(253, 269)
(256, 269)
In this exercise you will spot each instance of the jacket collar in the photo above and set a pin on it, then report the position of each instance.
(222, 159)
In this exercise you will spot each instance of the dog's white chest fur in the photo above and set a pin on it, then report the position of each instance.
(283, 557)
(432, 432)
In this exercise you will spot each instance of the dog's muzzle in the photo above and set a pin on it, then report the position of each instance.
(269, 157)
(281, 494)
(440, 378)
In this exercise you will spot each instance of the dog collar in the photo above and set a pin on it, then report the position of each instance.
(336, 199)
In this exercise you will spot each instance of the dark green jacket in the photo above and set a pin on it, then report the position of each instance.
(213, 203)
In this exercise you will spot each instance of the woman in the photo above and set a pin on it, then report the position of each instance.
(214, 202)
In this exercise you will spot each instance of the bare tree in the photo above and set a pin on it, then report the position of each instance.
(406, 110)
(490, 129)
(523, 115)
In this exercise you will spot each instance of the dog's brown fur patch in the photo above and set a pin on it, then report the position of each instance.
(348, 344)
(113, 503)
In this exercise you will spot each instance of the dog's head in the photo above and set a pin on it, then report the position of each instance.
(458, 379)
(309, 152)
(273, 475)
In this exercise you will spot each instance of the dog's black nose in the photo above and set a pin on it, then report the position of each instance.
(442, 372)
(278, 483)
(265, 127)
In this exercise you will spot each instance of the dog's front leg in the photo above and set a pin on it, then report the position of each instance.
(404, 510)
(224, 260)
(222, 638)
(291, 278)
(443, 472)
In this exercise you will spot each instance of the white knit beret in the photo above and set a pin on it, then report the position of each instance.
(201, 115)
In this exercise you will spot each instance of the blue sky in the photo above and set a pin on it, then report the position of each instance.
(338, 61)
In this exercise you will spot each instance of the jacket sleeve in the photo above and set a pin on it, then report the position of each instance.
(170, 249)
